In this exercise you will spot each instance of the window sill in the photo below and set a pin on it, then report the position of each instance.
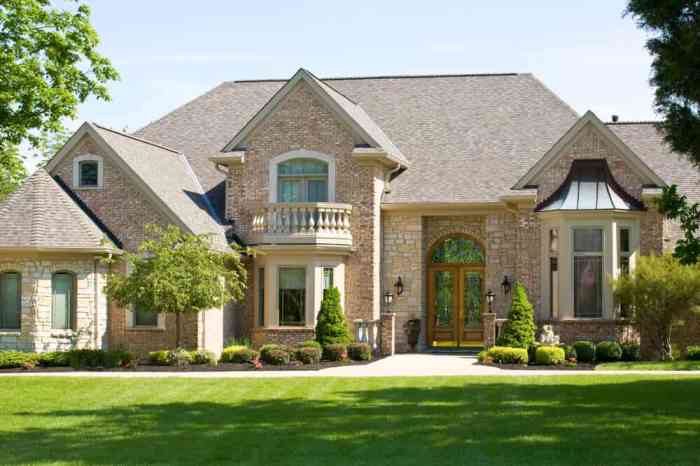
(146, 329)
(10, 333)
(288, 327)
(88, 188)
(58, 333)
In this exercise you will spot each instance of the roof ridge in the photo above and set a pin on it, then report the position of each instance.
(331, 87)
(388, 76)
(634, 122)
(136, 138)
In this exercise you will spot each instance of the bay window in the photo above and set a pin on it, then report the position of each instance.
(292, 296)
(588, 272)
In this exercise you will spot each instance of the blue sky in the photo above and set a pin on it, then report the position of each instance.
(169, 52)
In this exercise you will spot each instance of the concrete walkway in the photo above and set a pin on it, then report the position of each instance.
(401, 365)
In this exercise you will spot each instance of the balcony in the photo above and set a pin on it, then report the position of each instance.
(303, 223)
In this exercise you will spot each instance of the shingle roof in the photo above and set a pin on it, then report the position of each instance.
(646, 140)
(40, 215)
(169, 175)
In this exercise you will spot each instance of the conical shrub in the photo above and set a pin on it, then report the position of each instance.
(331, 326)
(519, 331)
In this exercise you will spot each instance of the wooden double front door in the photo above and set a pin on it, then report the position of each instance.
(455, 304)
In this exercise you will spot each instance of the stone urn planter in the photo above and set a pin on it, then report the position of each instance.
(412, 328)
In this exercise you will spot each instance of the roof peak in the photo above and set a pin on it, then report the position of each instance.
(396, 76)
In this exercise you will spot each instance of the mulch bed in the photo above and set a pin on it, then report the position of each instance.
(225, 367)
(577, 367)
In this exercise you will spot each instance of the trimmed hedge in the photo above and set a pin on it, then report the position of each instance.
(335, 352)
(550, 355)
(504, 355)
(308, 355)
(17, 359)
(608, 351)
(90, 359)
(54, 359)
(239, 355)
(693, 353)
(569, 352)
(631, 352)
(359, 352)
(585, 351)
(277, 357)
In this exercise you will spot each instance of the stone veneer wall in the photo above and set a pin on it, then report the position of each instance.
(35, 332)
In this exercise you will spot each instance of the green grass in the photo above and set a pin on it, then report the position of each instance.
(582, 420)
(650, 366)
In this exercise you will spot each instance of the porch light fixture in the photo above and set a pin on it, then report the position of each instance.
(489, 299)
(388, 298)
(398, 286)
(506, 285)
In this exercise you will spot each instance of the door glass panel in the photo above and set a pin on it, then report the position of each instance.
(472, 299)
(457, 251)
(444, 298)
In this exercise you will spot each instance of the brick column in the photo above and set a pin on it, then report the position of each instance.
(388, 343)
(488, 322)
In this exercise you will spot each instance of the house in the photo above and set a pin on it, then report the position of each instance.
(417, 196)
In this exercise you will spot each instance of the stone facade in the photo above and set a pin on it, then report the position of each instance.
(36, 332)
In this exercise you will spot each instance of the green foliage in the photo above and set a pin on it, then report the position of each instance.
(506, 355)
(308, 355)
(12, 171)
(659, 293)
(160, 358)
(49, 65)
(244, 341)
(54, 359)
(239, 355)
(693, 353)
(550, 355)
(585, 351)
(49, 143)
(91, 359)
(276, 357)
(608, 351)
(630, 352)
(331, 326)
(181, 357)
(175, 272)
(676, 207)
(569, 352)
(335, 352)
(311, 344)
(519, 331)
(674, 28)
(17, 359)
(265, 349)
(359, 352)
(200, 357)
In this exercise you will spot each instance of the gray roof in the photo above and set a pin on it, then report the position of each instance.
(40, 215)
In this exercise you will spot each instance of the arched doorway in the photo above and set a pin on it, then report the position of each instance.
(455, 292)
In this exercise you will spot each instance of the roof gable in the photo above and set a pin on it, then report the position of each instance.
(348, 111)
(646, 174)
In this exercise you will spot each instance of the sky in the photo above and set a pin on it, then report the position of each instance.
(170, 51)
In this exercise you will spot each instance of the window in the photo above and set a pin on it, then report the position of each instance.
(292, 296)
(10, 300)
(624, 261)
(143, 318)
(63, 300)
(588, 272)
(302, 180)
(89, 173)
(261, 297)
(457, 250)
(553, 287)
(327, 278)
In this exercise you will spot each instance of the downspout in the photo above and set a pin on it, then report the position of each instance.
(96, 304)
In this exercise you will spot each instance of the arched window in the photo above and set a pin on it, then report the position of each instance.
(63, 300)
(457, 250)
(302, 180)
(10, 300)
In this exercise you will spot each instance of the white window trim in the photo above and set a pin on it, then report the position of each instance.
(76, 171)
(299, 154)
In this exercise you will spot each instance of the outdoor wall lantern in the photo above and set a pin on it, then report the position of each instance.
(398, 286)
(489, 299)
(506, 284)
(388, 298)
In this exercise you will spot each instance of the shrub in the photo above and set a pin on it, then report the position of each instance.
(181, 357)
(160, 358)
(277, 357)
(266, 349)
(331, 326)
(608, 351)
(204, 357)
(585, 351)
(532, 351)
(693, 353)
(239, 355)
(54, 359)
(507, 355)
(308, 355)
(17, 359)
(335, 352)
(359, 352)
(90, 358)
(550, 355)
(483, 357)
(519, 331)
(311, 344)
(569, 352)
(631, 352)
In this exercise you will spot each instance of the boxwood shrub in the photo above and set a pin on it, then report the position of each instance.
(91, 359)
(359, 352)
(585, 351)
(239, 355)
(17, 359)
(569, 352)
(276, 357)
(550, 355)
(506, 355)
(160, 358)
(630, 352)
(608, 351)
(265, 349)
(335, 352)
(308, 355)
(54, 359)
(693, 353)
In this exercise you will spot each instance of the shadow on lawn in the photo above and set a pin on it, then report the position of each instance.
(639, 422)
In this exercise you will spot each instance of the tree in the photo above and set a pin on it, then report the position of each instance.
(676, 207)
(331, 326)
(177, 273)
(12, 171)
(49, 143)
(660, 293)
(519, 331)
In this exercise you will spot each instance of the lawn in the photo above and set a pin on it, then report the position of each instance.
(650, 366)
(582, 420)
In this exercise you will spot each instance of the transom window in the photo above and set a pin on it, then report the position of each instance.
(302, 180)
(458, 250)
(62, 300)
(292, 296)
(89, 173)
(588, 272)
(10, 300)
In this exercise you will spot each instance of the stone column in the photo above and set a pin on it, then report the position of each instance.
(488, 322)
(388, 343)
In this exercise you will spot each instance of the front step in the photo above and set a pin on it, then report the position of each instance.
(464, 350)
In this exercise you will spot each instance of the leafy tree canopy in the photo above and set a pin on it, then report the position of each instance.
(676, 207)
(12, 171)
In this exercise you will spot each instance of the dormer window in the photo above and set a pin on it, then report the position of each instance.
(302, 180)
(87, 172)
